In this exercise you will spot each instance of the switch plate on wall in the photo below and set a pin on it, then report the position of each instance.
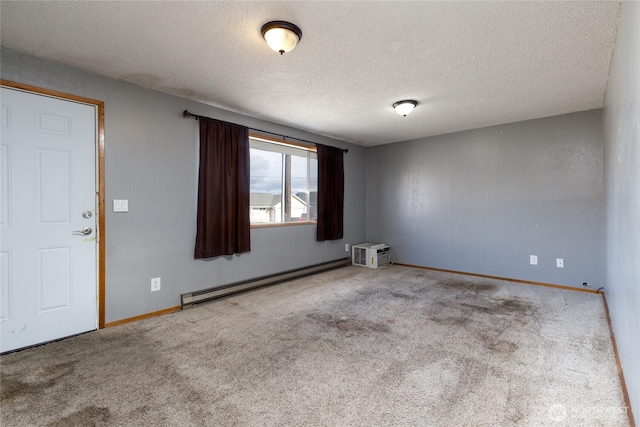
(120, 205)
(533, 259)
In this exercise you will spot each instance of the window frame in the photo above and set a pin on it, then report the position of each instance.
(291, 144)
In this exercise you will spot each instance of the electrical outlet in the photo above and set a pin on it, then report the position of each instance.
(155, 284)
(533, 259)
(346, 247)
(559, 263)
(120, 205)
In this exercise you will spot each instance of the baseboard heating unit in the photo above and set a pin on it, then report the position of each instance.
(192, 298)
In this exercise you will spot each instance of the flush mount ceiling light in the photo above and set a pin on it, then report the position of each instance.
(281, 36)
(405, 107)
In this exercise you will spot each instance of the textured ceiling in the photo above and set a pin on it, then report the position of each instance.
(469, 64)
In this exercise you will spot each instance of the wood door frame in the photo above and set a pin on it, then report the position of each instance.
(100, 173)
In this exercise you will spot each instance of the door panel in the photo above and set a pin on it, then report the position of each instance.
(5, 286)
(48, 277)
(54, 281)
(52, 186)
(5, 196)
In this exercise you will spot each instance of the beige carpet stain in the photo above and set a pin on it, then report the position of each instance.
(90, 416)
(350, 347)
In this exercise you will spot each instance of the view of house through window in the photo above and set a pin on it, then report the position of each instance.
(284, 182)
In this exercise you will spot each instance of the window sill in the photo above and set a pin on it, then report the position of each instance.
(282, 224)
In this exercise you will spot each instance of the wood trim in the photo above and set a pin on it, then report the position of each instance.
(100, 184)
(143, 316)
(49, 92)
(282, 224)
(625, 393)
(528, 282)
(102, 214)
(259, 136)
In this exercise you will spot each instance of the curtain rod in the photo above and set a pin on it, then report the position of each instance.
(187, 114)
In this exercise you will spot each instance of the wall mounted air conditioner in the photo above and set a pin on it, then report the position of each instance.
(371, 255)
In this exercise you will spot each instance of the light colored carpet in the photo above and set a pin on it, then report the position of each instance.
(350, 347)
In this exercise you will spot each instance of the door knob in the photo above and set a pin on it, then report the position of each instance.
(84, 231)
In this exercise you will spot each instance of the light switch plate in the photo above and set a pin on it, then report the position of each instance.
(120, 205)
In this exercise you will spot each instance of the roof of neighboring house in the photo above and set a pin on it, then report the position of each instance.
(300, 199)
(268, 200)
(313, 195)
(263, 200)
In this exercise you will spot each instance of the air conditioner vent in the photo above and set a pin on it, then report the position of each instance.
(371, 255)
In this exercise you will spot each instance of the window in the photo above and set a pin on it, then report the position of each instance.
(284, 182)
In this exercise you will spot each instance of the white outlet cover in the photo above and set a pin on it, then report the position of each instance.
(533, 259)
(120, 205)
(346, 247)
(155, 284)
(559, 262)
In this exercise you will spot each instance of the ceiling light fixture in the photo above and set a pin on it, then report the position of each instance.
(405, 107)
(281, 36)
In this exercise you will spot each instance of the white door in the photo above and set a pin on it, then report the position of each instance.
(48, 271)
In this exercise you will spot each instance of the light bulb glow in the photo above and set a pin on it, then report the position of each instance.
(405, 107)
(281, 40)
(281, 36)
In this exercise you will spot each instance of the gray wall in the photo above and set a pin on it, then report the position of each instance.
(622, 196)
(482, 201)
(151, 154)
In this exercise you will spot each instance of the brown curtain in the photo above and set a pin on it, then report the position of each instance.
(223, 226)
(330, 193)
